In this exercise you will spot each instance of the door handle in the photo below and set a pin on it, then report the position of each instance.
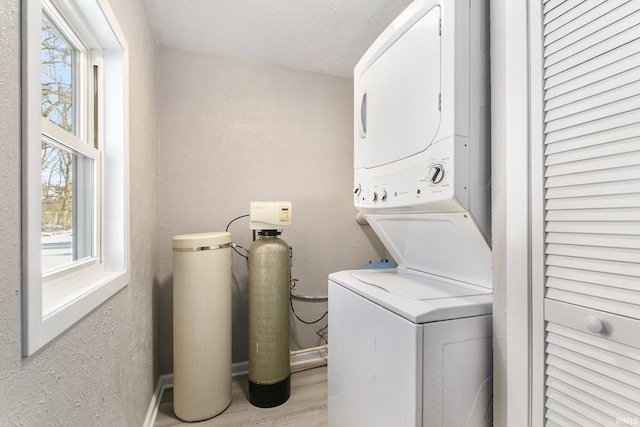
(362, 123)
(593, 324)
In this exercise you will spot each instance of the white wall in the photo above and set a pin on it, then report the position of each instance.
(102, 371)
(232, 132)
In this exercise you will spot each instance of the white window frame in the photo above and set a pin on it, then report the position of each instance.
(53, 303)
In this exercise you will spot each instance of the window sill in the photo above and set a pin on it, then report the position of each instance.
(61, 313)
(64, 292)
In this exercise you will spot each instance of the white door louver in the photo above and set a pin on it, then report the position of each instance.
(591, 60)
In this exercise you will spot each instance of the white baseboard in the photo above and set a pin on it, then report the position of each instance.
(299, 362)
(164, 382)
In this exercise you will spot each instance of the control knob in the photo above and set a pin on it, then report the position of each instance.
(436, 174)
(357, 190)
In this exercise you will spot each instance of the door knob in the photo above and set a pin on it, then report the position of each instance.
(593, 324)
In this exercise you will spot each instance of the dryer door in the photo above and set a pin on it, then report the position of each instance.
(397, 110)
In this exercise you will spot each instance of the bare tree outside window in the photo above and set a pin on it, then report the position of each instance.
(57, 163)
(57, 77)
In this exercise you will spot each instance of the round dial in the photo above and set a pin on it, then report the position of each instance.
(436, 174)
(384, 195)
(357, 190)
(375, 196)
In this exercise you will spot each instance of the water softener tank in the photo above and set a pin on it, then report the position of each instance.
(201, 325)
(269, 365)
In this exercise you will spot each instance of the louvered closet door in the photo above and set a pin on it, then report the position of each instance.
(592, 211)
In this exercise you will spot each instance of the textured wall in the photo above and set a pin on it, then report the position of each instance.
(101, 372)
(232, 132)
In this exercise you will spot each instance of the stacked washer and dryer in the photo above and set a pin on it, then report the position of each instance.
(412, 346)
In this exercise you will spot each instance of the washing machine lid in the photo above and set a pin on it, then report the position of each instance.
(417, 298)
(449, 245)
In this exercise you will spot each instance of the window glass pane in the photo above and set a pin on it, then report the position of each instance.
(67, 206)
(57, 77)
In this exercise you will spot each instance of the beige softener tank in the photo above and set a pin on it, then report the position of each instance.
(201, 325)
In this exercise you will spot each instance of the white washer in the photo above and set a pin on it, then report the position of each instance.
(408, 351)
(412, 346)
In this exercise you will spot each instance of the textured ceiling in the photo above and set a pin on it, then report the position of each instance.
(326, 36)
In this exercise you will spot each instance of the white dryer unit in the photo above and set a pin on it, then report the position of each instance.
(412, 346)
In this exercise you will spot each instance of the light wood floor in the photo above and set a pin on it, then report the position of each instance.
(307, 405)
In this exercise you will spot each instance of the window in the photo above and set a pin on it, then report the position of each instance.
(70, 152)
(75, 164)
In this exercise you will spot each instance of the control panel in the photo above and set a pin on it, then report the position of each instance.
(269, 215)
(429, 184)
